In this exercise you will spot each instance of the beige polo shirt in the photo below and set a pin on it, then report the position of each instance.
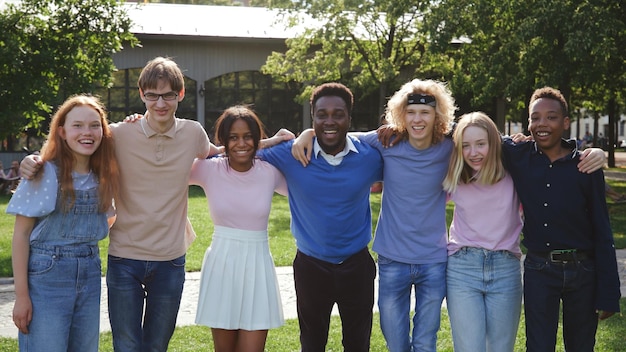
(154, 169)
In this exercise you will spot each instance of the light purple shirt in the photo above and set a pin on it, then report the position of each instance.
(486, 216)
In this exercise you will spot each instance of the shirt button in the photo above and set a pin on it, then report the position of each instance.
(545, 225)
(547, 185)
(550, 166)
(545, 204)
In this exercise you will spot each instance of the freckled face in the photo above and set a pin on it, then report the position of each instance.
(82, 131)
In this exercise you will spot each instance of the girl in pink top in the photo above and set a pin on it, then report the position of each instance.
(484, 285)
(239, 295)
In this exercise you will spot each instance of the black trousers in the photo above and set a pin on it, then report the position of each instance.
(319, 285)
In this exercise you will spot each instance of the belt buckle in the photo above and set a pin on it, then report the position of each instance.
(560, 252)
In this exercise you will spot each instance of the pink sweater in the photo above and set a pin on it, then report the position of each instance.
(240, 200)
(486, 216)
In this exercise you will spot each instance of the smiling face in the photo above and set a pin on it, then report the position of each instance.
(82, 131)
(420, 123)
(547, 123)
(475, 147)
(161, 112)
(240, 147)
(331, 121)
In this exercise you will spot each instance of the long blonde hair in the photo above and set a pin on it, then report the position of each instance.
(492, 170)
(444, 110)
(102, 162)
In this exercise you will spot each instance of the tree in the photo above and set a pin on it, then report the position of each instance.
(371, 45)
(517, 46)
(50, 49)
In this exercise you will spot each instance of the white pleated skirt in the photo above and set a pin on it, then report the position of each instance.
(238, 284)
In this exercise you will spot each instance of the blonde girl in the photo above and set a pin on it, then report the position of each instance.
(484, 285)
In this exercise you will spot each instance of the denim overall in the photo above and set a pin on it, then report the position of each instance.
(64, 277)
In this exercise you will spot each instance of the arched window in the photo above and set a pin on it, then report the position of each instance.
(122, 98)
(272, 101)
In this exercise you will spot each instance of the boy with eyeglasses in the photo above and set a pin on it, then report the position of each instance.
(146, 263)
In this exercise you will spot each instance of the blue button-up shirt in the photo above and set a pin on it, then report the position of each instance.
(565, 209)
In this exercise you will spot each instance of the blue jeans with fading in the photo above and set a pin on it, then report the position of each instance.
(396, 280)
(144, 298)
(484, 299)
(64, 285)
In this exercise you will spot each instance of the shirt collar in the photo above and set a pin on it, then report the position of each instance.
(568, 144)
(349, 147)
(149, 132)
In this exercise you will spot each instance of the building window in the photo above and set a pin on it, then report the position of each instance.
(122, 98)
(272, 101)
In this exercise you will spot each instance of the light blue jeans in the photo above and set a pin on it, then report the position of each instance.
(484, 299)
(64, 285)
(144, 297)
(396, 281)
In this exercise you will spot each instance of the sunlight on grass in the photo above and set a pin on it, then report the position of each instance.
(611, 336)
(611, 333)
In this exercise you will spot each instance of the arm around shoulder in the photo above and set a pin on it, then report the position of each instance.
(30, 166)
(591, 160)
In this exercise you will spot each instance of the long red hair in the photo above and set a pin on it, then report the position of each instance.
(102, 162)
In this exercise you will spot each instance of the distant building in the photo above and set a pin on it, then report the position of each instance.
(220, 50)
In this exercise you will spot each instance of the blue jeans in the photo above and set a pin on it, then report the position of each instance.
(546, 286)
(394, 302)
(144, 291)
(64, 286)
(484, 299)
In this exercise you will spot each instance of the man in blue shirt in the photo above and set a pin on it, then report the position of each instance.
(571, 255)
(331, 222)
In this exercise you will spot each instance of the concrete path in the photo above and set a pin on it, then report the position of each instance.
(187, 312)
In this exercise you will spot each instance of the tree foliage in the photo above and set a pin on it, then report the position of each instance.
(516, 46)
(368, 45)
(50, 49)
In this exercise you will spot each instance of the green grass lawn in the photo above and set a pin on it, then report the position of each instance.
(611, 333)
(611, 337)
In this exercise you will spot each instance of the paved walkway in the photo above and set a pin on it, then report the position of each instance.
(187, 312)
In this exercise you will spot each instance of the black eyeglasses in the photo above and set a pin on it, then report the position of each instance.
(166, 96)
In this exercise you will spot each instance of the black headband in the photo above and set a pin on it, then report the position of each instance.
(421, 99)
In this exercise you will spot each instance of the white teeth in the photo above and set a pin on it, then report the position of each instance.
(418, 128)
(85, 141)
(330, 131)
(542, 134)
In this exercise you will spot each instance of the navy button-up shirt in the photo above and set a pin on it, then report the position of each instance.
(565, 209)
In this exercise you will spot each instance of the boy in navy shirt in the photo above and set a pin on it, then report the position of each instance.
(571, 254)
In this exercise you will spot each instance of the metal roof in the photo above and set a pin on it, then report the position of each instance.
(208, 21)
(205, 20)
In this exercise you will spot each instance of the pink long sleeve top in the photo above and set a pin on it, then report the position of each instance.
(486, 216)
